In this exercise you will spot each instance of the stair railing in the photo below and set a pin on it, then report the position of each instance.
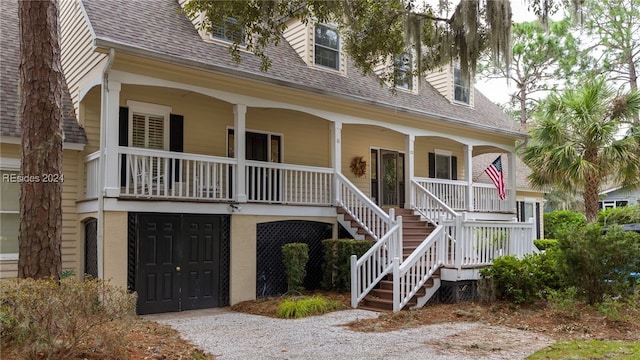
(376, 263)
(411, 275)
(369, 216)
(430, 206)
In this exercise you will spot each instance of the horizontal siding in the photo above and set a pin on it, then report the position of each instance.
(70, 226)
(90, 119)
(443, 81)
(422, 148)
(78, 56)
(297, 35)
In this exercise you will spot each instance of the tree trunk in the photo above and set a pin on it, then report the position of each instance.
(633, 75)
(523, 105)
(591, 188)
(40, 233)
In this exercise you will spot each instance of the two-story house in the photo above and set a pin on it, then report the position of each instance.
(196, 169)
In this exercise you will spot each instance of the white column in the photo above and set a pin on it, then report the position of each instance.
(512, 181)
(112, 168)
(409, 170)
(336, 157)
(468, 176)
(240, 150)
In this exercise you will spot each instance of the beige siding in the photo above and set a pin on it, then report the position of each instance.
(90, 119)
(115, 247)
(357, 140)
(297, 35)
(78, 56)
(70, 226)
(305, 138)
(8, 269)
(442, 80)
(423, 146)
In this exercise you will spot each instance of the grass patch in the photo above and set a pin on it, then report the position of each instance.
(300, 307)
(590, 349)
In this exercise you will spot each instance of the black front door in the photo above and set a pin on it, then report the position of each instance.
(178, 261)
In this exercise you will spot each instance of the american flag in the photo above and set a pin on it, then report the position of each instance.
(497, 176)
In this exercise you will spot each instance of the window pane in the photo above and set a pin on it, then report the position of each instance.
(148, 131)
(228, 31)
(460, 89)
(327, 47)
(275, 148)
(9, 233)
(156, 132)
(10, 191)
(443, 167)
(528, 211)
(404, 78)
(138, 131)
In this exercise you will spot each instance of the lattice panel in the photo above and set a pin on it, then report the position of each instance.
(271, 277)
(225, 260)
(131, 251)
(458, 291)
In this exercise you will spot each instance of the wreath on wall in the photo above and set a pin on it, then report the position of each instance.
(358, 166)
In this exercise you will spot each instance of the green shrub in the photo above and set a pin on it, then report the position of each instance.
(337, 263)
(600, 264)
(563, 302)
(295, 257)
(61, 319)
(307, 306)
(620, 215)
(544, 244)
(521, 280)
(556, 222)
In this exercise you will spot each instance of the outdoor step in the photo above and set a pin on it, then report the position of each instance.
(388, 284)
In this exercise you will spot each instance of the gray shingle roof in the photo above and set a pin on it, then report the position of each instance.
(10, 78)
(158, 29)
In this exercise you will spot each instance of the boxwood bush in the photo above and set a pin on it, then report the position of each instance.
(337, 263)
(620, 215)
(556, 222)
(295, 257)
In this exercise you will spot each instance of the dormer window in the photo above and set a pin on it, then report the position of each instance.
(404, 71)
(228, 30)
(460, 88)
(326, 47)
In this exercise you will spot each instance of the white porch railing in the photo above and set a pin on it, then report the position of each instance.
(376, 263)
(451, 192)
(485, 198)
(365, 212)
(91, 175)
(289, 184)
(482, 241)
(429, 205)
(164, 174)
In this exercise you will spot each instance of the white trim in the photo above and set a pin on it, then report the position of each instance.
(18, 141)
(9, 163)
(234, 98)
(9, 257)
(149, 109)
(442, 152)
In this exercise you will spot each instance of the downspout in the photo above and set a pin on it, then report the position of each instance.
(101, 162)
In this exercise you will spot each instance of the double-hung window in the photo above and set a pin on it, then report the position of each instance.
(9, 209)
(228, 30)
(403, 71)
(326, 47)
(461, 88)
(443, 166)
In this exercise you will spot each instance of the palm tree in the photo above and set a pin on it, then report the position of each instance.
(576, 144)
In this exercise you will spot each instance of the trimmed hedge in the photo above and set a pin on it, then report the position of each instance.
(545, 244)
(557, 222)
(337, 263)
(620, 215)
(295, 257)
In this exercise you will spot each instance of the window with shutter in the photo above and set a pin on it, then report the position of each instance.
(148, 131)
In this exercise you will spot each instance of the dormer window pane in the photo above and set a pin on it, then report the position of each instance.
(227, 31)
(327, 47)
(403, 71)
(460, 89)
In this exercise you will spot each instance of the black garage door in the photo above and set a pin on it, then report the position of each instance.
(180, 262)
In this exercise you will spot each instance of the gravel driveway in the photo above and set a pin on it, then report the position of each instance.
(233, 335)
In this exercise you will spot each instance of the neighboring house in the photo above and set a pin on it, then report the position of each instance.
(529, 202)
(618, 196)
(196, 170)
(74, 142)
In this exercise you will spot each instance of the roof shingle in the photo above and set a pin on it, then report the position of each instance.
(10, 79)
(163, 31)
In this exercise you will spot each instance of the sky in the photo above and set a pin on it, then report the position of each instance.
(497, 90)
